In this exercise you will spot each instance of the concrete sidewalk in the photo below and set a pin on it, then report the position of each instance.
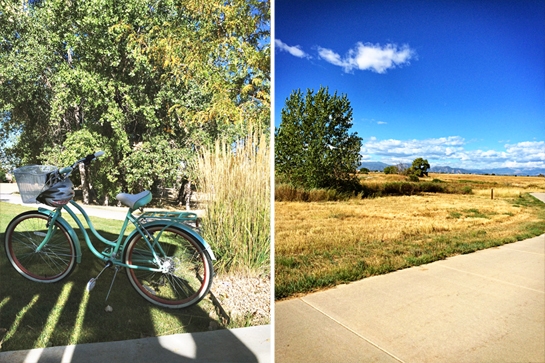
(488, 306)
(235, 345)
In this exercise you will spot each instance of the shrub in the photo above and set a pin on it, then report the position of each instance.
(431, 187)
(413, 178)
(390, 169)
(400, 188)
(285, 193)
(371, 190)
(289, 193)
(326, 195)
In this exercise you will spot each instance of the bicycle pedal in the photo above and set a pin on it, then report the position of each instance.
(91, 284)
(149, 289)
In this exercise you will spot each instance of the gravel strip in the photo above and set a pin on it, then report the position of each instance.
(245, 299)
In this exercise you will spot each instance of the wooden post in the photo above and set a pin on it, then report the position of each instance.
(491, 193)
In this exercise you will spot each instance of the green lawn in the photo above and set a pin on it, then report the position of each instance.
(34, 315)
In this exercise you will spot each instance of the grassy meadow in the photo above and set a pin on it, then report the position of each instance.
(322, 244)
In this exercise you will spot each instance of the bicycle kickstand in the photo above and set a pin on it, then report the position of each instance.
(112, 284)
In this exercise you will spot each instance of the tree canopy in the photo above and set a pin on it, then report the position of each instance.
(147, 82)
(391, 169)
(313, 144)
(419, 167)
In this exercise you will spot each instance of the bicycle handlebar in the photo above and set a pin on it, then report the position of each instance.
(87, 160)
(67, 170)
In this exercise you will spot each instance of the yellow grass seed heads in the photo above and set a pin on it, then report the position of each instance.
(234, 181)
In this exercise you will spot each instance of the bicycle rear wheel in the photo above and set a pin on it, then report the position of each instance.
(53, 263)
(186, 274)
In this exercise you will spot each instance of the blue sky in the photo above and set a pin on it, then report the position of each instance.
(461, 83)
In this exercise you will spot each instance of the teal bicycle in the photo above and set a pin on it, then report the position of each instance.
(166, 259)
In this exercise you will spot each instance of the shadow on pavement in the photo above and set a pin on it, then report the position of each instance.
(223, 347)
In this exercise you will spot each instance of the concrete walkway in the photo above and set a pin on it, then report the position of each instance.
(488, 306)
(235, 345)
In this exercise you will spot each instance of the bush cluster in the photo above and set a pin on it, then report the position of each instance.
(286, 192)
(401, 188)
(289, 193)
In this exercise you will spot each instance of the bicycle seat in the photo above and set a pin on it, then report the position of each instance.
(134, 201)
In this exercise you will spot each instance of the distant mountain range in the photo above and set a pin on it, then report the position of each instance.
(449, 170)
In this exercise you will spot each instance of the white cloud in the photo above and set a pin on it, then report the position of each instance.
(368, 56)
(373, 121)
(527, 151)
(452, 151)
(331, 57)
(295, 50)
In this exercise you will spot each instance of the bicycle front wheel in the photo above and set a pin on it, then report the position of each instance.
(53, 263)
(186, 270)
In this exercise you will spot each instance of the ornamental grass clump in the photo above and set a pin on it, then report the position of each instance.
(234, 181)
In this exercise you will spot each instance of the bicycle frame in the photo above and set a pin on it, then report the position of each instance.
(118, 245)
(166, 260)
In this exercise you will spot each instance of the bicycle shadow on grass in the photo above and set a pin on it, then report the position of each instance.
(65, 316)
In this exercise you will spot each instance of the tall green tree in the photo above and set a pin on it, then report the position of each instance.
(147, 82)
(419, 167)
(219, 50)
(313, 144)
(391, 169)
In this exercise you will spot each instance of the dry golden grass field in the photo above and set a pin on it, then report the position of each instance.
(322, 244)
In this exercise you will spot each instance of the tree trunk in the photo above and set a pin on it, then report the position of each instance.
(84, 183)
(184, 194)
(187, 195)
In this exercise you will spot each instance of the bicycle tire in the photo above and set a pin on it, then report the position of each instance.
(53, 263)
(190, 270)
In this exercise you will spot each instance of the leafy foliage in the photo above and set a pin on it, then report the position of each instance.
(313, 146)
(419, 168)
(392, 169)
(148, 83)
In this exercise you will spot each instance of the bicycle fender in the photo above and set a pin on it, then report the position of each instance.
(68, 228)
(189, 230)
